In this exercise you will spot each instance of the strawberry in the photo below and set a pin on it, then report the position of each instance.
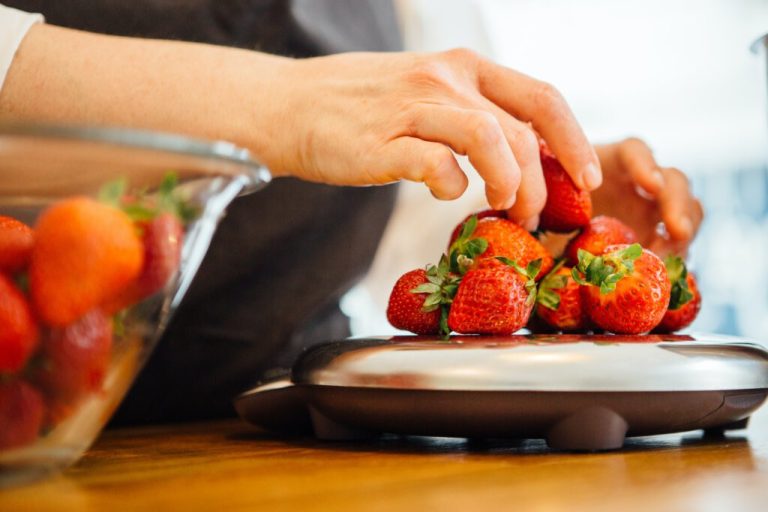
(527, 248)
(626, 288)
(567, 207)
(495, 299)
(506, 239)
(16, 240)
(483, 214)
(85, 253)
(685, 299)
(601, 232)
(75, 361)
(420, 298)
(406, 309)
(162, 240)
(18, 328)
(21, 414)
(559, 302)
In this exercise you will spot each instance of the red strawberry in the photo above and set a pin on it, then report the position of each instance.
(21, 414)
(162, 238)
(567, 207)
(18, 329)
(484, 214)
(627, 288)
(16, 240)
(85, 254)
(685, 300)
(493, 300)
(559, 302)
(75, 360)
(508, 240)
(601, 232)
(406, 309)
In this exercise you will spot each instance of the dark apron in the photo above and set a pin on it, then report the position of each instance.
(281, 259)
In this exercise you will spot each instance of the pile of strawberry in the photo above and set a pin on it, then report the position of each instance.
(497, 278)
(63, 287)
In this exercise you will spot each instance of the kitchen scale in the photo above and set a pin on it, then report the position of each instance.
(578, 392)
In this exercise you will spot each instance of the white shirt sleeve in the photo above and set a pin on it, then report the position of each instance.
(14, 25)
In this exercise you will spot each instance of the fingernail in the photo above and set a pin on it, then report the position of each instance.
(531, 224)
(509, 203)
(658, 178)
(592, 177)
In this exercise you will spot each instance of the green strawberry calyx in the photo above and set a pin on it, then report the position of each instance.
(464, 250)
(441, 287)
(529, 273)
(606, 270)
(678, 273)
(546, 295)
(143, 205)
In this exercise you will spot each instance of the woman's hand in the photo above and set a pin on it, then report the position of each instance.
(364, 118)
(347, 119)
(656, 201)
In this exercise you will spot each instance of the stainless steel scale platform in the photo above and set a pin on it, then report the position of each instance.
(579, 392)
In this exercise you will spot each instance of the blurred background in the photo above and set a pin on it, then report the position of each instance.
(678, 74)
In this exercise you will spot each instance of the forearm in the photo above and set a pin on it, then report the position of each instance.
(67, 76)
(347, 119)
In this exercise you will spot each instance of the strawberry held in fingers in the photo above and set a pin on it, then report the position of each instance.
(625, 290)
(601, 232)
(494, 300)
(685, 300)
(568, 207)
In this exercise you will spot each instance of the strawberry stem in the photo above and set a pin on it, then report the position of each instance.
(465, 249)
(441, 288)
(529, 273)
(113, 192)
(546, 295)
(606, 270)
(678, 274)
(143, 206)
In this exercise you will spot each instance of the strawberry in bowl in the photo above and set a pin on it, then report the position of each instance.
(92, 266)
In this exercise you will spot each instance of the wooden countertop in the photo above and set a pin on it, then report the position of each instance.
(231, 466)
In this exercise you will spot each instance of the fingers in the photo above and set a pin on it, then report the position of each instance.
(422, 161)
(479, 135)
(532, 194)
(636, 157)
(663, 246)
(680, 211)
(541, 104)
(697, 215)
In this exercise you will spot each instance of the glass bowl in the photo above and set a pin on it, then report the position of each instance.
(98, 274)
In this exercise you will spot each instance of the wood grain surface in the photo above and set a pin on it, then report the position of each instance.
(231, 466)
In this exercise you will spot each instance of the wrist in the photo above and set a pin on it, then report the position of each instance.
(255, 109)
